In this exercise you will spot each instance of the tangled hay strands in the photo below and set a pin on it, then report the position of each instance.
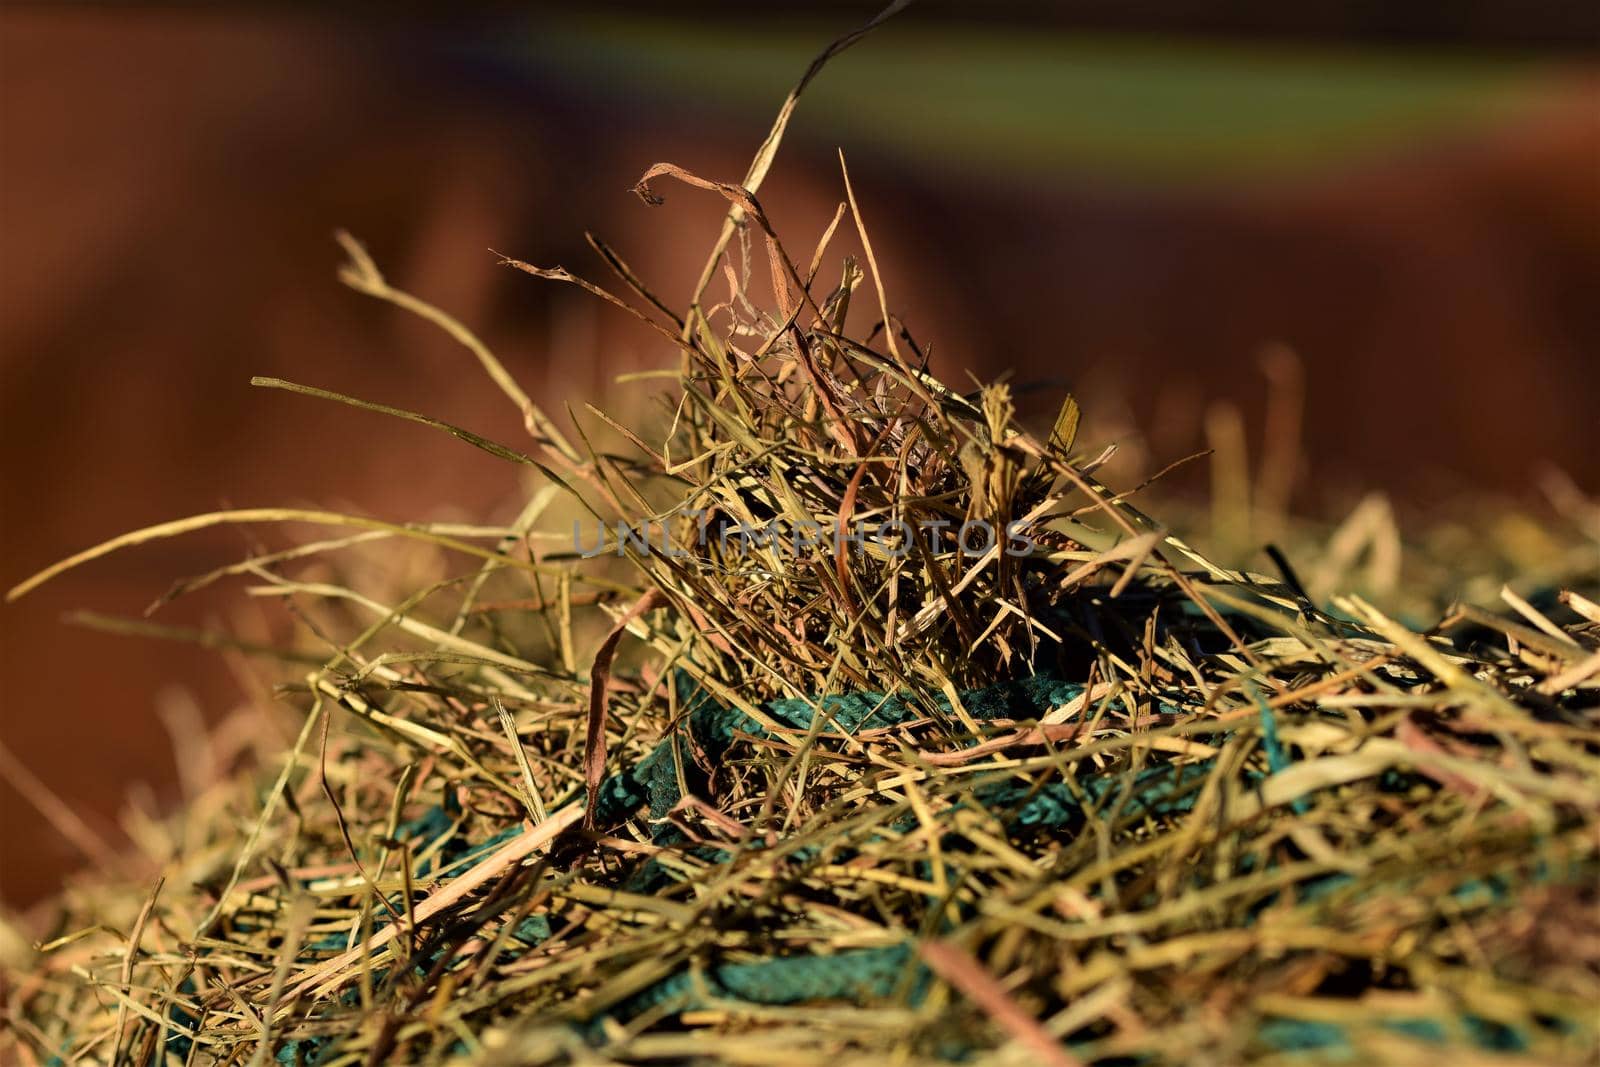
(713, 795)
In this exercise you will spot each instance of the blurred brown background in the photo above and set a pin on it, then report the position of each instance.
(1130, 200)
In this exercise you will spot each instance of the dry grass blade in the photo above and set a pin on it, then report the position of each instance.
(967, 974)
(768, 152)
(177, 528)
(363, 275)
(594, 741)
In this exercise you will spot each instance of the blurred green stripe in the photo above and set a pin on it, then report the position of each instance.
(1123, 108)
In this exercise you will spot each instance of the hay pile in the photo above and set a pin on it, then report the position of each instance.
(765, 782)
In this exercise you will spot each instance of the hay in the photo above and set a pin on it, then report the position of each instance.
(833, 795)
